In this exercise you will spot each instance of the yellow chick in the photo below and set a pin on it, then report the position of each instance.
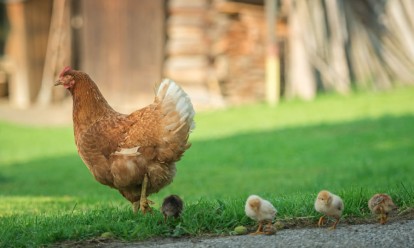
(330, 205)
(382, 205)
(261, 211)
(172, 206)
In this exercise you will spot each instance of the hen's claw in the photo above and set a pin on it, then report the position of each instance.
(144, 205)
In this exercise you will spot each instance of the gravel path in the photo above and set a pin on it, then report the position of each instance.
(396, 234)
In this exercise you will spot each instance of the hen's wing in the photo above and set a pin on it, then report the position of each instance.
(161, 130)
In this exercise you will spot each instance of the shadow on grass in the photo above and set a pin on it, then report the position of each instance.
(369, 153)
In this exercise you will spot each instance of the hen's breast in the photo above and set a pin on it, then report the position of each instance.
(97, 142)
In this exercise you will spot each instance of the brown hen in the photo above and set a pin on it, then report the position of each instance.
(134, 153)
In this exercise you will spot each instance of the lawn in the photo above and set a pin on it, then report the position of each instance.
(353, 145)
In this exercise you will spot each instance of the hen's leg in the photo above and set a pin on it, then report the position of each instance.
(144, 202)
(135, 207)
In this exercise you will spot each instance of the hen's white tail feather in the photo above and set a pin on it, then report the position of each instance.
(172, 97)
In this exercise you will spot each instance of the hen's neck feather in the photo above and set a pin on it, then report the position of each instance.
(89, 105)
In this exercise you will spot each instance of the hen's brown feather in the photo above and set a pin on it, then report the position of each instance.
(120, 149)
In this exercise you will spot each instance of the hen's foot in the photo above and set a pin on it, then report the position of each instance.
(144, 205)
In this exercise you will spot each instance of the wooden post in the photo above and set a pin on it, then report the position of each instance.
(52, 53)
(272, 56)
(17, 51)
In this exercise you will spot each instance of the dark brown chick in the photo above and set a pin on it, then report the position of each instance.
(382, 205)
(172, 206)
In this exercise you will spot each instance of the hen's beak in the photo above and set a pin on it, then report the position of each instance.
(58, 82)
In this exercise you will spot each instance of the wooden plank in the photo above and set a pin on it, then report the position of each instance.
(16, 49)
(122, 48)
(187, 47)
(54, 50)
(187, 69)
(235, 8)
(195, 7)
(272, 78)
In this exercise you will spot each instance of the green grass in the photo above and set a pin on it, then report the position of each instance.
(352, 145)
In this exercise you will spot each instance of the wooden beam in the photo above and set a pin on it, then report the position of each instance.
(52, 52)
(16, 49)
(272, 56)
(235, 8)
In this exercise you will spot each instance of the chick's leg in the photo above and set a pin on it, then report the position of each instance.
(336, 223)
(321, 220)
(144, 202)
(259, 229)
(383, 217)
(268, 229)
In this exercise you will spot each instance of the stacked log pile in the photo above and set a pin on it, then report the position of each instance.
(238, 51)
(187, 44)
(187, 50)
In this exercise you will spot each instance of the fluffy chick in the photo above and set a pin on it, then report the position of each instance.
(172, 206)
(382, 205)
(261, 211)
(330, 205)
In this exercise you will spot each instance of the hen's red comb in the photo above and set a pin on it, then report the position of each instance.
(67, 68)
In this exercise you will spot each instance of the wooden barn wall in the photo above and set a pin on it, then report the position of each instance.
(26, 47)
(38, 15)
(121, 47)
